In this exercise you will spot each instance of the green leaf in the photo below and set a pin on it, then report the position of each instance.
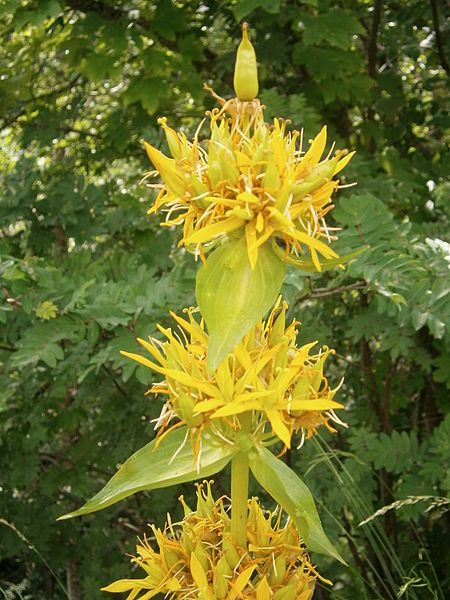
(244, 7)
(154, 467)
(232, 297)
(294, 497)
(41, 342)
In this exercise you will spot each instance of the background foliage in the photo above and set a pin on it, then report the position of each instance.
(83, 270)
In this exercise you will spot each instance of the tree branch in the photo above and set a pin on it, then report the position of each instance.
(373, 38)
(6, 121)
(439, 45)
(106, 11)
(325, 292)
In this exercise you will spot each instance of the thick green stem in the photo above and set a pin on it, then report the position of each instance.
(239, 490)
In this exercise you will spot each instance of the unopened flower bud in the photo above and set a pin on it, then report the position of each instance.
(171, 558)
(288, 592)
(246, 70)
(230, 552)
(205, 501)
(278, 571)
(221, 572)
(202, 556)
(172, 138)
(186, 407)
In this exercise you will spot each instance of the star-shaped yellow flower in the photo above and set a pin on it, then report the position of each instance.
(282, 385)
(197, 559)
(250, 179)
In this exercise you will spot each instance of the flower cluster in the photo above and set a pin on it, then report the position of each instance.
(253, 180)
(281, 384)
(197, 558)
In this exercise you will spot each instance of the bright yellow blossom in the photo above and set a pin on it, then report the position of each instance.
(197, 559)
(252, 180)
(281, 384)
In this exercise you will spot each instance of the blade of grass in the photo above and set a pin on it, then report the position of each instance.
(33, 548)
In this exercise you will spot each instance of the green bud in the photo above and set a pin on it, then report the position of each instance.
(230, 552)
(186, 508)
(246, 71)
(185, 407)
(221, 572)
(172, 138)
(187, 542)
(171, 557)
(284, 196)
(205, 501)
(288, 592)
(323, 169)
(157, 574)
(200, 188)
(279, 325)
(241, 213)
(278, 571)
(301, 189)
(202, 556)
(271, 177)
(258, 158)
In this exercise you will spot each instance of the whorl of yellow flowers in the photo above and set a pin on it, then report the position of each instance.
(196, 559)
(250, 179)
(283, 385)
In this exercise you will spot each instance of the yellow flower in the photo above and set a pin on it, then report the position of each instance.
(250, 180)
(282, 385)
(197, 559)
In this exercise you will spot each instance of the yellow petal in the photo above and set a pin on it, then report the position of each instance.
(306, 239)
(168, 169)
(243, 161)
(248, 197)
(144, 361)
(315, 259)
(125, 585)
(259, 223)
(314, 153)
(210, 232)
(243, 357)
(197, 572)
(283, 380)
(236, 408)
(313, 405)
(191, 327)
(247, 396)
(263, 590)
(279, 427)
(344, 162)
(153, 351)
(279, 150)
(207, 405)
(188, 380)
(241, 582)
(225, 379)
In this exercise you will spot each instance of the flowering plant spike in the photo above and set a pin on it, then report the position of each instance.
(252, 200)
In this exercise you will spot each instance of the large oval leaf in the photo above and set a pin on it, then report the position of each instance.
(233, 297)
(154, 467)
(294, 497)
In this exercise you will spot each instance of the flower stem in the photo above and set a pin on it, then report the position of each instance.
(239, 490)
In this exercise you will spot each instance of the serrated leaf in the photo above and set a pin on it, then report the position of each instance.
(41, 341)
(294, 497)
(244, 7)
(153, 467)
(232, 297)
